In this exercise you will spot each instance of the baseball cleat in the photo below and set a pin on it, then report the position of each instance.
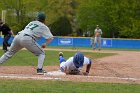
(41, 71)
(60, 54)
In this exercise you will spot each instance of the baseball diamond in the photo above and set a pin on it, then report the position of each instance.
(104, 69)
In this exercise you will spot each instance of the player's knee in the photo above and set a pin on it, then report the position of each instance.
(40, 53)
(43, 55)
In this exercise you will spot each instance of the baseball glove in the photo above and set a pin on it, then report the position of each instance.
(85, 73)
(43, 46)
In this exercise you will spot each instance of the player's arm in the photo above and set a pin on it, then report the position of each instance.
(88, 66)
(12, 32)
(100, 31)
(96, 33)
(8, 29)
(49, 40)
(48, 36)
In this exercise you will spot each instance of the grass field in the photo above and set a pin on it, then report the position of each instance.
(40, 86)
(25, 58)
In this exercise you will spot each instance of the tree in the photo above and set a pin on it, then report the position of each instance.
(118, 18)
(61, 27)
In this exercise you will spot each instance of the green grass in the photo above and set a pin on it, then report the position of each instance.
(40, 86)
(25, 58)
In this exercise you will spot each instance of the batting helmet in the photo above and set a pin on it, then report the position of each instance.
(78, 59)
(41, 16)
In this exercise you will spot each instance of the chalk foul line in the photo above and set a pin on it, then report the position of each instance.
(119, 78)
(15, 76)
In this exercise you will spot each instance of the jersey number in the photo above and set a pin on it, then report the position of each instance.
(32, 26)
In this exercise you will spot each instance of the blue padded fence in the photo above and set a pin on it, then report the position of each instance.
(86, 42)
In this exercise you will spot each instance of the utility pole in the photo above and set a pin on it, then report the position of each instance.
(3, 15)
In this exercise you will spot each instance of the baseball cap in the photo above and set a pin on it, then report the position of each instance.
(41, 16)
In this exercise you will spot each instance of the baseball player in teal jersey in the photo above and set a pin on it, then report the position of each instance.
(27, 39)
(74, 64)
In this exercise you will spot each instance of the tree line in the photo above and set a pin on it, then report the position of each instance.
(117, 18)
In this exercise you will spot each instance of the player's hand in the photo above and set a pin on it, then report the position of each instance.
(43, 46)
(85, 73)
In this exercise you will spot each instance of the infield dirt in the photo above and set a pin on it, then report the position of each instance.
(121, 68)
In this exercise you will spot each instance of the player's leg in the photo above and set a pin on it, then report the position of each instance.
(95, 41)
(61, 57)
(15, 46)
(62, 61)
(8, 37)
(99, 43)
(5, 42)
(4, 45)
(36, 49)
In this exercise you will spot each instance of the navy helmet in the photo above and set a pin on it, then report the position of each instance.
(41, 16)
(78, 59)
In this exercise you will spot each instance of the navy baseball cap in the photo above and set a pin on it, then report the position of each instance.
(78, 59)
(41, 16)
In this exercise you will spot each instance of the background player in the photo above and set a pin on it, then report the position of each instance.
(27, 39)
(97, 37)
(7, 32)
(74, 64)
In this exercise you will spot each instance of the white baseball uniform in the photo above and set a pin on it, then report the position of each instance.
(27, 39)
(69, 66)
(97, 39)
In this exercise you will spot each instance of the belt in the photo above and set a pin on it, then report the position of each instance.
(29, 36)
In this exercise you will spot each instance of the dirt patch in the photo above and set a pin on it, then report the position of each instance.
(121, 68)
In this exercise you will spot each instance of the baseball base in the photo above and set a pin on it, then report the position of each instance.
(55, 73)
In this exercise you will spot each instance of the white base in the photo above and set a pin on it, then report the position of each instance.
(55, 73)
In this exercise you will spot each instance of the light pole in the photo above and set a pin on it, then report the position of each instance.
(3, 15)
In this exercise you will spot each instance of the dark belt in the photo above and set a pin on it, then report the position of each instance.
(29, 36)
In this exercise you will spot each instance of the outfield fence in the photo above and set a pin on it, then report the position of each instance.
(87, 42)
